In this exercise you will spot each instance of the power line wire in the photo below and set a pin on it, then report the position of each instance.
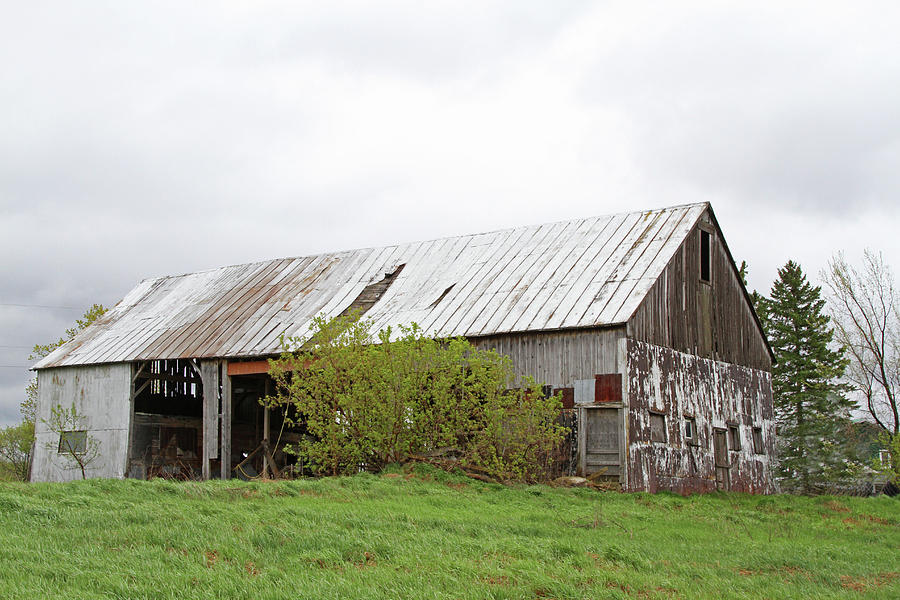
(37, 306)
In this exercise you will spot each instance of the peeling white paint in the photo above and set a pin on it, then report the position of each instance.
(716, 395)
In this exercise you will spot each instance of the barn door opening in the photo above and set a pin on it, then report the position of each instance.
(723, 467)
(166, 421)
(602, 443)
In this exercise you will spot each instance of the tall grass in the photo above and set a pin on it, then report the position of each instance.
(426, 534)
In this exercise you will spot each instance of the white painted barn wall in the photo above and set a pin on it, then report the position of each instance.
(103, 394)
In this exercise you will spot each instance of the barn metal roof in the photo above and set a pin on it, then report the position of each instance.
(571, 274)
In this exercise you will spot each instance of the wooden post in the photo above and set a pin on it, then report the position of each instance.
(226, 422)
(265, 469)
(135, 371)
(581, 441)
(209, 375)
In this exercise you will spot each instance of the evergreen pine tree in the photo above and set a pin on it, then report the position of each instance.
(811, 409)
(756, 299)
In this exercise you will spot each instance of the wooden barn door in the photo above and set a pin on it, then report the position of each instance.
(602, 442)
(720, 449)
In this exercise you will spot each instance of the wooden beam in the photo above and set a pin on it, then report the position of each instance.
(251, 367)
(167, 377)
(225, 422)
(139, 371)
(140, 389)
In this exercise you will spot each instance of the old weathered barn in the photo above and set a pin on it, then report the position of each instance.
(640, 319)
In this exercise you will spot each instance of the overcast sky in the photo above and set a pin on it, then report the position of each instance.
(146, 139)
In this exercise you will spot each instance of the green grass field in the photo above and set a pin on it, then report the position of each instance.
(427, 534)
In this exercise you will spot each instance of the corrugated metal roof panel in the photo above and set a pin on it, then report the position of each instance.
(572, 274)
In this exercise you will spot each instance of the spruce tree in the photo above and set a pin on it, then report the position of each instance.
(811, 409)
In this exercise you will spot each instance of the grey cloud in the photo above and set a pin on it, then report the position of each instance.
(435, 41)
(9, 411)
(776, 108)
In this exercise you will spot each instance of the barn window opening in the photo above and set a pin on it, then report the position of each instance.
(442, 296)
(734, 437)
(657, 427)
(72, 442)
(690, 431)
(705, 256)
(758, 447)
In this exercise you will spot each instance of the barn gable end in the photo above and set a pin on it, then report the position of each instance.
(705, 314)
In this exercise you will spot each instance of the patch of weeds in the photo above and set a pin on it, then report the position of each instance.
(865, 584)
(500, 580)
(835, 506)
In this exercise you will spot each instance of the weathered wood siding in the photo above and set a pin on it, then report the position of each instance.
(102, 393)
(558, 358)
(711, 320)
(715, 394)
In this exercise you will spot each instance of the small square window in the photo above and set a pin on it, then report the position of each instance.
(690, 431)
(657, 427)
(734, 437)
(758, 447)
(72, 442)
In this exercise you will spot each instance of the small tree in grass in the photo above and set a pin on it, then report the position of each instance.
(75, 444)
(15, 450)
(369, 400)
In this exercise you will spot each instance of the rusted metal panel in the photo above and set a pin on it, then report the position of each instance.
(579, 274)
(567, 396)
(608, 388)
(248, 367)
(713, 394)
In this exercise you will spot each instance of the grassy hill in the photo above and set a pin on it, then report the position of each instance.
(426, 534)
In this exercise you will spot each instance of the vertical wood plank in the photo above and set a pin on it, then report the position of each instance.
(265, 469)
(209, 375)
(226, 422)
(135, 369)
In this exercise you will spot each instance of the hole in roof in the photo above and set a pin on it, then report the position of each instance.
(442, 296)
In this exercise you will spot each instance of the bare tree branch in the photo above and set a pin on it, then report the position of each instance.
(866, 312)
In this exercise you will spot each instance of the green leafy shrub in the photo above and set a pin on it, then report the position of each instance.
(367, 401)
